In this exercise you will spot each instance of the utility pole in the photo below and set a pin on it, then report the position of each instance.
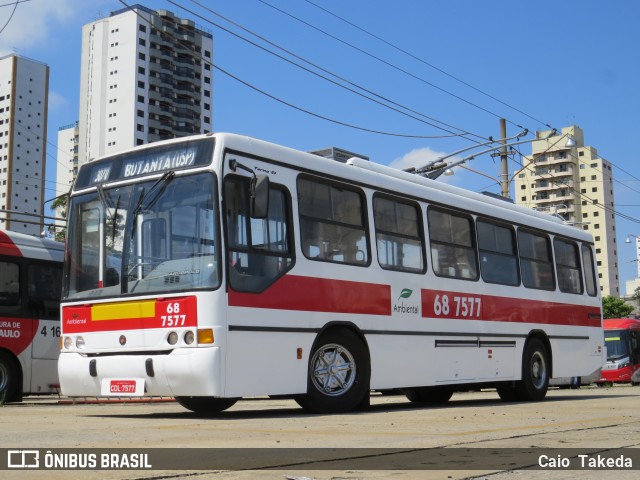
(504, 177)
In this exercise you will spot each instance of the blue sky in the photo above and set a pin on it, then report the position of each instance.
(571, 62)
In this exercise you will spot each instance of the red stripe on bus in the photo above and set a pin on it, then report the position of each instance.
(311, 294)
(469, 306)
(7, 247)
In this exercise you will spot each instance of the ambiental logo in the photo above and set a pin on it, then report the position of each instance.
(401, 307)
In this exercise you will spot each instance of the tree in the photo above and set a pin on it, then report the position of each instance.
(60, 205)
(614, 307)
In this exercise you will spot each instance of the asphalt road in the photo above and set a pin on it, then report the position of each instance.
(475, 427)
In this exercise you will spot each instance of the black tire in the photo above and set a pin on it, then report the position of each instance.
(338, 374)
(206, 404)
(535, 372)
(8, 378)
(429, 394)
(507, 393)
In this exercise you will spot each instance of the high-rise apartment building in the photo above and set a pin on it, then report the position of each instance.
(67, 160)
(24, 86)
(145, 76)
(566, 178)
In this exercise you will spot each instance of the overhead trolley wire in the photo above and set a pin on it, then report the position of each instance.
(423, 61)
(379, 102)
(385, 62)
(282, 101)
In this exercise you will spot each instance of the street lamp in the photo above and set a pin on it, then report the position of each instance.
(628, 240)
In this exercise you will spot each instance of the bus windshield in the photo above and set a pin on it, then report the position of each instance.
(617, 342)
(155, 236)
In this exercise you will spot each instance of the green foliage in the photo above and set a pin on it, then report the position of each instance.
(60, 205)
(614, 307)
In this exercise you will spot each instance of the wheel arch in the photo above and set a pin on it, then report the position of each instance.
(338, 325)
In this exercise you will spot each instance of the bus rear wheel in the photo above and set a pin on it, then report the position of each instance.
(535, 372)
(338, 375)
(206, 404)
(8, 378)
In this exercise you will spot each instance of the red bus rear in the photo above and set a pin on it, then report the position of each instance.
(30, 288)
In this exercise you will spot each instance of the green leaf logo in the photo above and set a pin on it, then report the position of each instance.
(406, 293)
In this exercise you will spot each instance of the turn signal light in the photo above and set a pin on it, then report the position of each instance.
(205, 335)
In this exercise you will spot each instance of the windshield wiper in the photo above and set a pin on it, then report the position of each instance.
(157, 188)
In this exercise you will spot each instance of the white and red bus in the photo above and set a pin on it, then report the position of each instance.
(246, 268)
(622, 338)
(30, 287)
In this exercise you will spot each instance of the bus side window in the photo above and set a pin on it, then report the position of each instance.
(568, 266)
(536, 260)
(9, 285)
(332, 222)
(453, 250)
(399, 235)
(498, 256)
(589, 271)
(44, 285)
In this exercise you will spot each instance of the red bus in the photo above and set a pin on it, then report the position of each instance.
(30, 287)
(622, 337)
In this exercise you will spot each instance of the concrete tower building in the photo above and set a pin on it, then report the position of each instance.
(24, 86)
(566, 178)
(145, 76)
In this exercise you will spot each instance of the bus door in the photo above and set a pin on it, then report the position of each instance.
(44, 284)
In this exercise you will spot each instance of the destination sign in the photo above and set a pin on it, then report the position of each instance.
(177, 156)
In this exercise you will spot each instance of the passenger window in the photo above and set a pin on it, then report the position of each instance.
(259, 249)
(589, 271)
(498, 257)
(568, 266)
(399, 238)
(9, 286)
(535, 260)
(44, 286)
(453, 252)
(332, 223)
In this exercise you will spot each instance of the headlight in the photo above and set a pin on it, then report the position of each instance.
(79, 342)
(172, 338)
(189, 337)
(67, 342)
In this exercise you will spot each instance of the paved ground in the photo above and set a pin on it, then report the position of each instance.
(588, 419)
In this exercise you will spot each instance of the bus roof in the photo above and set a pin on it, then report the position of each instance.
(621, 323)
(30, 246)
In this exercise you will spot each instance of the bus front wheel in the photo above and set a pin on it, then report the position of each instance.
(535, 372)
(338, 375)
(8, 378)
(206, 404)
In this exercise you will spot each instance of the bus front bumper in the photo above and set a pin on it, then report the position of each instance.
(182, 372)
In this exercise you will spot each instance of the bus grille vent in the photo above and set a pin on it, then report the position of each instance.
(171, 279)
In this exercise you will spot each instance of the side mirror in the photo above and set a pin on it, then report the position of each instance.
(259, 196)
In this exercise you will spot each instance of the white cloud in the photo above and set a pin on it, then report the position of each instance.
(31, 24)
(37, 23)
(57, 101)
(422, 156)
(416, 158)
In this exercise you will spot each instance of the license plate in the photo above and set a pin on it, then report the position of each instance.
(122, 387)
